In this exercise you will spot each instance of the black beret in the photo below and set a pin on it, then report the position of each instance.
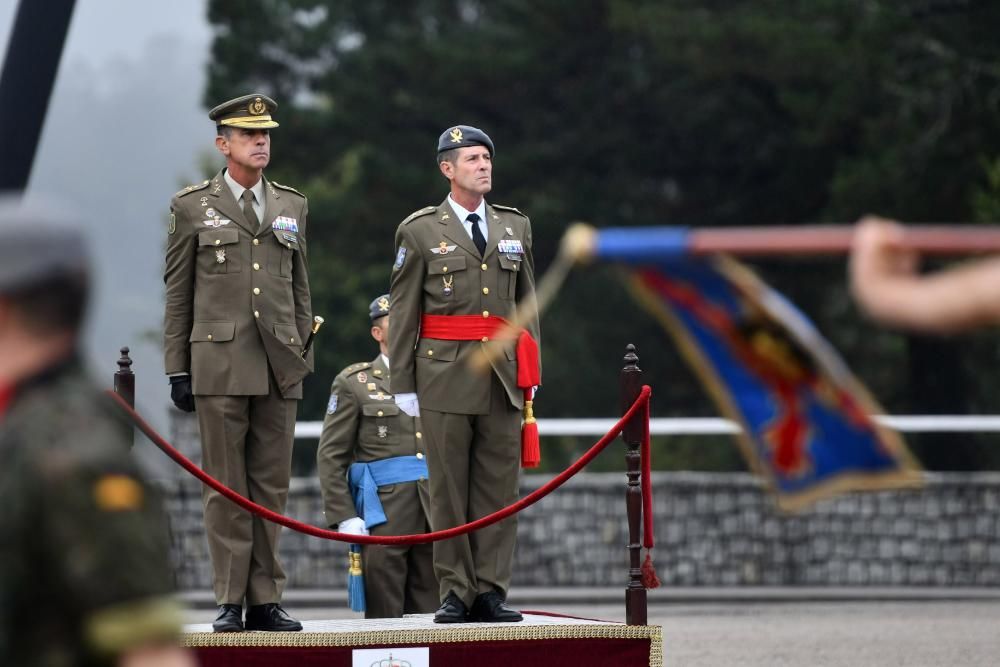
(464, 135)
(378, 308)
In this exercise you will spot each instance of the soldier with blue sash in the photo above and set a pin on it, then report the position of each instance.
(373, 475)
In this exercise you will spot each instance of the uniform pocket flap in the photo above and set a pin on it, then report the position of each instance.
(440, 267)
(509, 264)
(212, 332)
(287, 334)
(287, 239)
(442, 350)
(386, 409)
(218, 237)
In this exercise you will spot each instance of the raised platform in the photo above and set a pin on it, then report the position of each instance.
(543, 640)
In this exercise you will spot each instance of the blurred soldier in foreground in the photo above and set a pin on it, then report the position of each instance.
(237, 314)
(374, 476)
(84, 576)
(462, 269)
(885, 282)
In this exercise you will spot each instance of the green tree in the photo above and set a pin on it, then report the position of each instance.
(632, 112)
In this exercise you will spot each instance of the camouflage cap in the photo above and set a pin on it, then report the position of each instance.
(378, 308)
(463, 135)
(38, 243)
(252, 112)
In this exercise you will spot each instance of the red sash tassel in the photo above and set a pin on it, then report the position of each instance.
(529, 374)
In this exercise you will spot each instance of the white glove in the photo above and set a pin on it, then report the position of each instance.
(408, 403)
(353, 526)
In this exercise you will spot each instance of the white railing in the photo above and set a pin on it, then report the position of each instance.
(719, 426)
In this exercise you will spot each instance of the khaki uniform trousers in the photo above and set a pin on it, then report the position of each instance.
(246, 443)
(400, 579)
(474, 462)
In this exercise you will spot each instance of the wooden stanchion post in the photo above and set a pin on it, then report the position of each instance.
(631, 385)
(125, 386)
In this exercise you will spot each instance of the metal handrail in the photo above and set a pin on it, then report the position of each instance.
(720, 426)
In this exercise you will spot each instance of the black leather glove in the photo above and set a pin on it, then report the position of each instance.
(180, 392)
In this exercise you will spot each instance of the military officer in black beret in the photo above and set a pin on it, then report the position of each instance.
(237, 313)
(84, 574)
(372, 451)
(461, 270)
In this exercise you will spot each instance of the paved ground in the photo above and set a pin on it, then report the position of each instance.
(773, 627)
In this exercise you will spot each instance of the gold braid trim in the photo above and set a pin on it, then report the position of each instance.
(432, 636)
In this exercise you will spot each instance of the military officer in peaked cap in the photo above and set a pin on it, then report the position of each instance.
(237, 313)
(84, 574)
(471, 259)
(372, 451)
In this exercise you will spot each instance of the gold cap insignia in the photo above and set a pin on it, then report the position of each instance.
(257, 107)
(383, 305)
(456, 135)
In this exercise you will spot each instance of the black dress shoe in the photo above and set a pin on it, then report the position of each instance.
(229, 619)
(452, 610)
(271, 618)
(492, 608)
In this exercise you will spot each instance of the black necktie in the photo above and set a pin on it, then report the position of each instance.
(477, 234)
(248, 212)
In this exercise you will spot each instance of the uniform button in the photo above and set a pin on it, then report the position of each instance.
(256, 241)
(419, 455)
(256, 290)
(419, 435)
(486, 290)
(256, 313)
(218, 241)
(444, 269)
(486, 339)
(256, 266)
(210, 336)
(379, 413)
(430, 353)
(291, 339)
(483, 267)
(486, 313)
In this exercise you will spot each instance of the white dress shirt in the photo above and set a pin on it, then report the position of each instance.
(463, 213)
(238, 190)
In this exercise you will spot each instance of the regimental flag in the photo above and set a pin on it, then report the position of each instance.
(805, 419)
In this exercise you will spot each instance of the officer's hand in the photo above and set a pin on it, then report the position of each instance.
(353, 526)
(408, 403)
(180, 392)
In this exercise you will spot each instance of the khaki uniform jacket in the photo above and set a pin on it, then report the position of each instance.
(84, 548)
(438, 270)
(237, 298)
(364, 424)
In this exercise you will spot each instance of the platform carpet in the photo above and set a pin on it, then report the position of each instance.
(540, 640)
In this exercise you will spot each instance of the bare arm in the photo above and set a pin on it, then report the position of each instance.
(885, 282)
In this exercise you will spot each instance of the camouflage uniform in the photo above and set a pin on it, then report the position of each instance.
(84, 572)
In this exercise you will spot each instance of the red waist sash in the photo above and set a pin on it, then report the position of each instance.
(529, 373)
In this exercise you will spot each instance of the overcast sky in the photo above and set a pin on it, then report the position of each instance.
(124, 131)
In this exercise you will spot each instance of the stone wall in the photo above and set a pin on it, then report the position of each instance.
(711, 530)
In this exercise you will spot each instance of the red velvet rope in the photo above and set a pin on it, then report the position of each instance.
(641, 403)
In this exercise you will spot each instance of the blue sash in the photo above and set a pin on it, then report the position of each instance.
(365, 478)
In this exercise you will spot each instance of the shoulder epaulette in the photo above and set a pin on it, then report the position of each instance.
(420, 213)
(286, 187)
(355, 368)
(193, 188)
(508, 208)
